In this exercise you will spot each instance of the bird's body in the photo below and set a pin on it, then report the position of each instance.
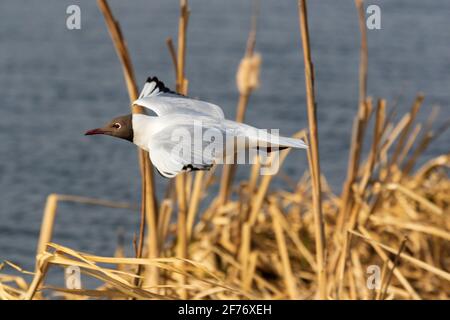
(187, 134)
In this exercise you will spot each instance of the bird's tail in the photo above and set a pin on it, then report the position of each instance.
(270, 142)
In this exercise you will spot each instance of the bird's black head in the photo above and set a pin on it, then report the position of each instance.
(120, 127)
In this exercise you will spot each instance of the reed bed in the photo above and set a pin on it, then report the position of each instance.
(252, 242)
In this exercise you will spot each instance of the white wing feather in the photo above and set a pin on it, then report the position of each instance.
(156, 97)
(164, 104)
(178, 135)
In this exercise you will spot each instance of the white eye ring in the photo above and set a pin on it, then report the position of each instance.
(117, 125)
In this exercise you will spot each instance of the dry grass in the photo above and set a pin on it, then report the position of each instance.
(251, 242)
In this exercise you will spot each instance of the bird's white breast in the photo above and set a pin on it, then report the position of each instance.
(143, 128)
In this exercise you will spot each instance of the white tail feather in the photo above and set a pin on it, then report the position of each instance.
(292, 143)
(265, 139)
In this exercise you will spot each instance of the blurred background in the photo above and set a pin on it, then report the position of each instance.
(55, 83)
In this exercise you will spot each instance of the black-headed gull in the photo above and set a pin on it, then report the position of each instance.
(188, 134)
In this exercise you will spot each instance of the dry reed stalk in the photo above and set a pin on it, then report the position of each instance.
(390, 136)
(359, 122)
(431, 230)
(254, 176)
(377, 295)
(165, 210)
(361, 189)
(403, 137)
(48, 222)
(122, 280)
(359, 275)
(250, 273)
(314, 151)
(414, 196)
(288, 276)
(258, 279)
(421, 264)
(345, 252)
(301, 247)
(409, 144)
(194, 200)
(391, 271)
(50, 210)
(390, 172)
(182, 87)
(417, 152)
(38, 278)
(182, 82)
(188, 188)
(440, 161)
(244, 253)
(399, 275)
(428, 137)
(182, 240)
(173, 55)
(149, 209)
(373, 154)
(364, 53)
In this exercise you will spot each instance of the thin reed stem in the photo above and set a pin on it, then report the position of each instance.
(314, 151)
(359, 122)
(180, 183)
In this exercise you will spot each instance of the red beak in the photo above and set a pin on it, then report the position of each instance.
(94, 131)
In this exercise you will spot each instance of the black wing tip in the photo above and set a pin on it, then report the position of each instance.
(161, 86)
(154, 79)
(193, 167)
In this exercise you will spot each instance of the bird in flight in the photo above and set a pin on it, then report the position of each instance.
(188, 134)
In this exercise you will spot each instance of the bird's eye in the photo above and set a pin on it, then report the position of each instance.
(117, 125)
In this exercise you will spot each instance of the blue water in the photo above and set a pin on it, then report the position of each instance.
(55, 83)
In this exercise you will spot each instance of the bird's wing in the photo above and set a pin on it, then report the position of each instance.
(163, 101)
(178, 147)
